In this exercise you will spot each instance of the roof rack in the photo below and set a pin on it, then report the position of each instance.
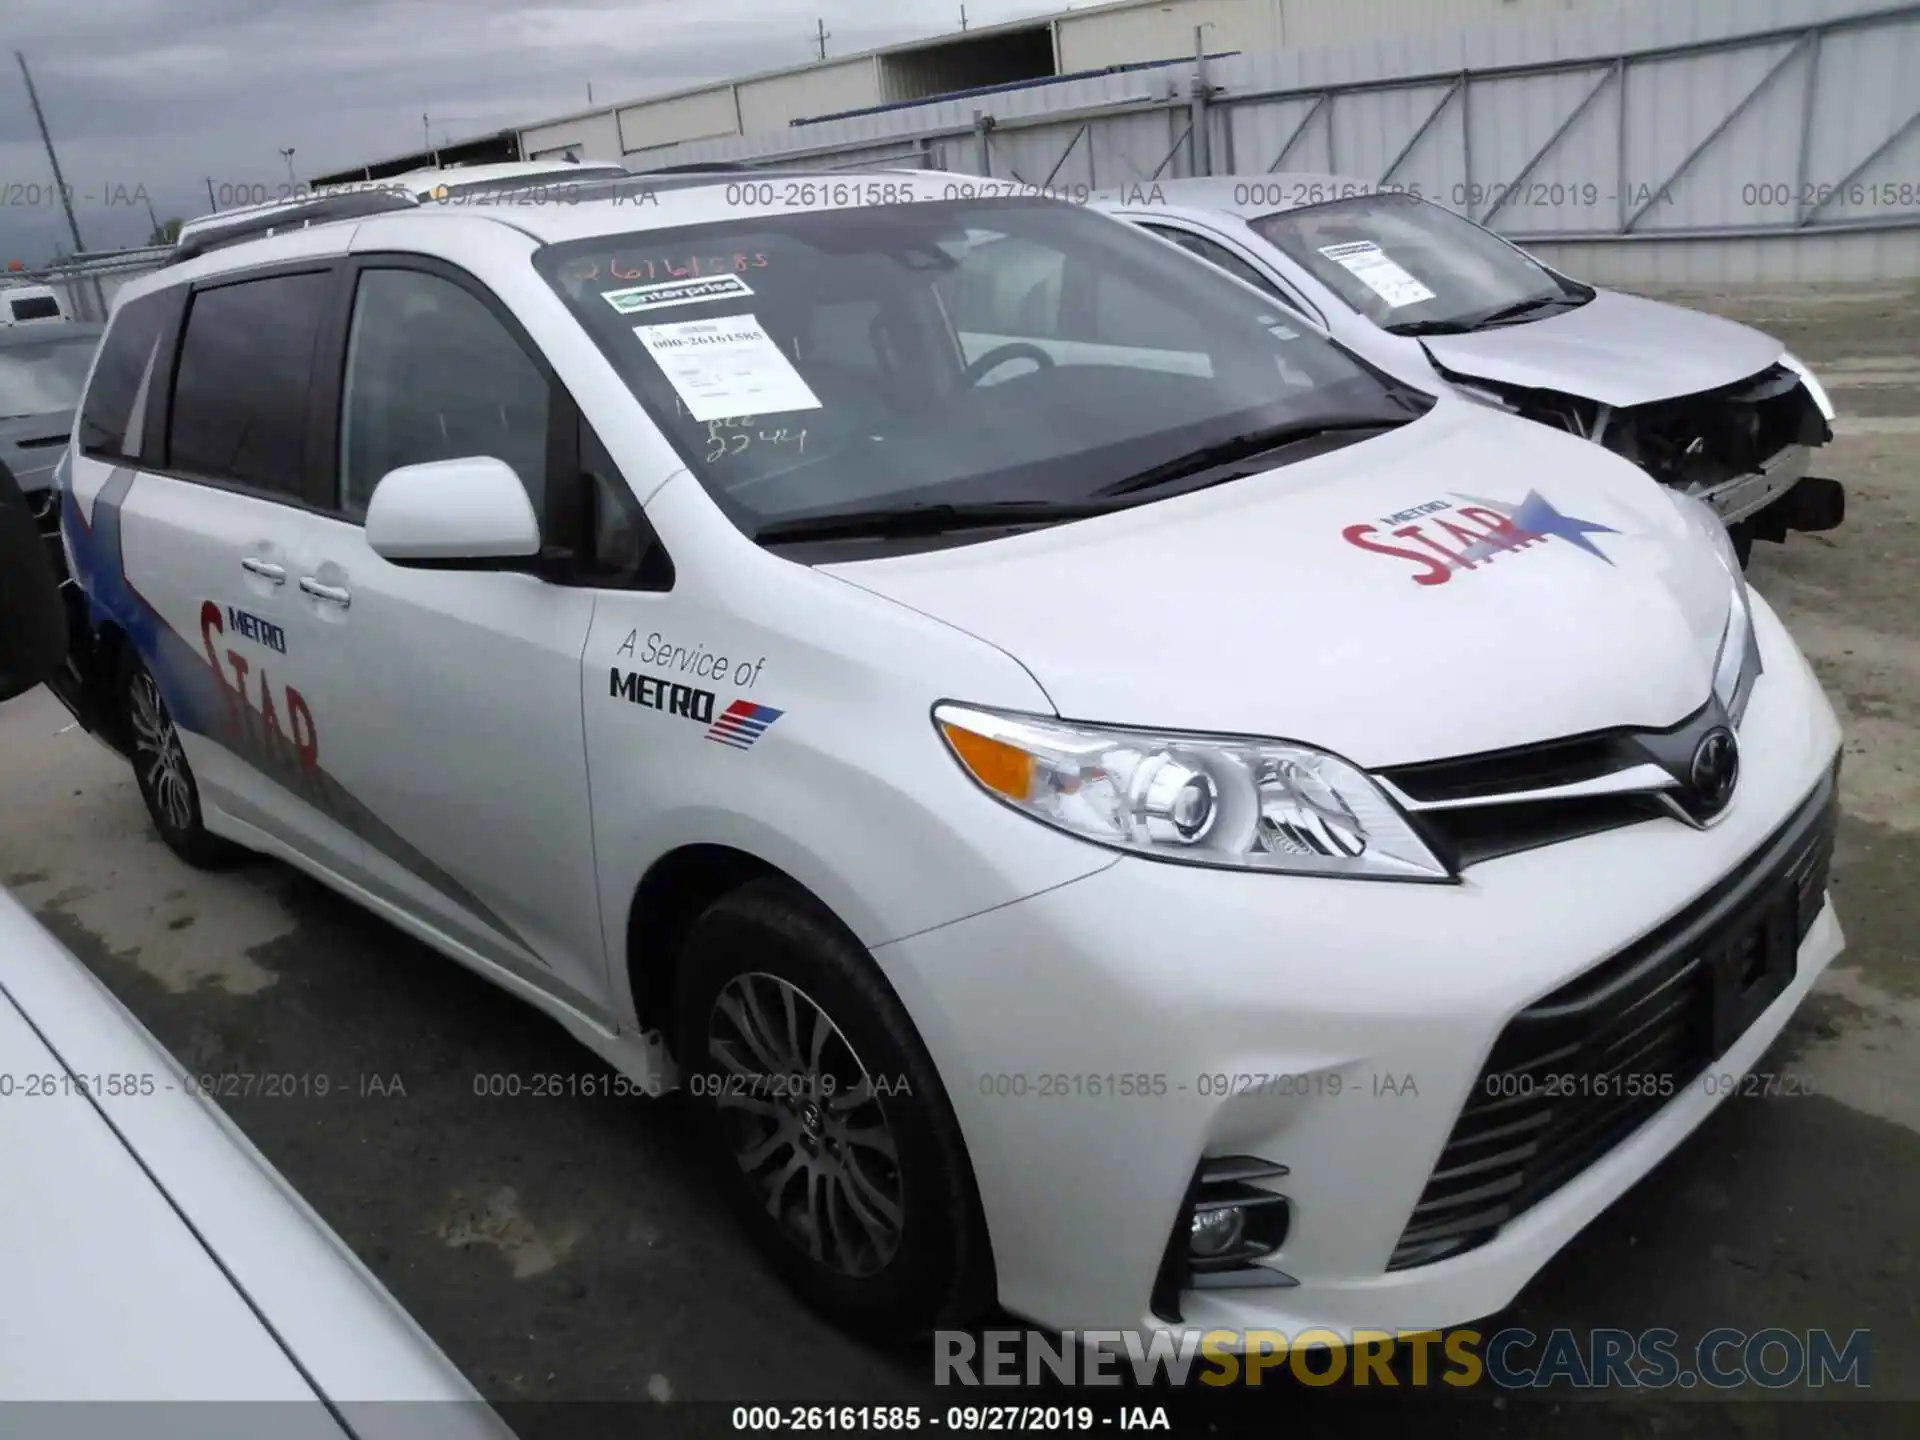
(292, 217)
(700, 167)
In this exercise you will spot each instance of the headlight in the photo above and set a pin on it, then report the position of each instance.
(1205, 800)
(1738, 664)
(1808, 379)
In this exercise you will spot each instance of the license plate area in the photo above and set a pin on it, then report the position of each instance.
(1752, 966)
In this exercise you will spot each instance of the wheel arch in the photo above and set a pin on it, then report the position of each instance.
(676, 889)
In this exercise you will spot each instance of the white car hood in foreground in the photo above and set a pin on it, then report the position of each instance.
(1617, 349)
(1252, 608)
(148, 1253)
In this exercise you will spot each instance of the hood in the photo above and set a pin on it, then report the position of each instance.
(1618, 349)
(30, 446)
(1315, 603)
(110, 1295)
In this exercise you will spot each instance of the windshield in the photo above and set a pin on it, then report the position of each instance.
(953, 353)
(1412, 267)
(43, 377)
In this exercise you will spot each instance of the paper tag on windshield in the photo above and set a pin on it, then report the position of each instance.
(1370, 265)
(728, 366)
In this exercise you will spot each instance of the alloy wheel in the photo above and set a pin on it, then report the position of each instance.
(805, 1124)
(161, 763)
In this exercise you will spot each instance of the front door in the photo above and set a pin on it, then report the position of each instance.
(453, 696)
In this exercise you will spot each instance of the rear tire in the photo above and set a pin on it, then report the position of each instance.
(161, 770)
(824, 1120)
(1742, 538)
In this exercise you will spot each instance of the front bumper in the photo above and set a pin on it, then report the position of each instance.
(1745, 496)
(1100, 1039)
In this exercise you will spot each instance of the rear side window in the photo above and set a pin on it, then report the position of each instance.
(108, 426)
(36, 307)
(1219, 255)
(246, 371)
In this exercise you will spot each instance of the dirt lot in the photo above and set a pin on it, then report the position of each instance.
(561, 1249)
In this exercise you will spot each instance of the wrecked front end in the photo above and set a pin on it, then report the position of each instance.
(1746, 449)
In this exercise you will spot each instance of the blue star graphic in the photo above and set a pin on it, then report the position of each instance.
(1536, 515)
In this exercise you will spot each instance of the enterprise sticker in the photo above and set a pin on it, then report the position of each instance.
(636, 298)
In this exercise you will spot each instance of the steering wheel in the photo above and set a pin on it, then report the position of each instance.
(1000, 355)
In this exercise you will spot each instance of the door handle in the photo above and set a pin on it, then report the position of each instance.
(266, 571)
(332, 594)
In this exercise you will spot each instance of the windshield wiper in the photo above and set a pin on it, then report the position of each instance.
(1517, 309)
(934, 519)
(1428, 327)
(1244, 447)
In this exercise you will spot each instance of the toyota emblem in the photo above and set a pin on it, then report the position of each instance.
(1715, 770)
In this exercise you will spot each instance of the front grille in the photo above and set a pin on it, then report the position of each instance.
(1575, 1073)
(1479, 816)
(1525, 767)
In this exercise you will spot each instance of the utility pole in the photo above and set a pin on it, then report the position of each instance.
(589, 92)
(59, 181)
(824, 36)
(963, 17)
(287, 155)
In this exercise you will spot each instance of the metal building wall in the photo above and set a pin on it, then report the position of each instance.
(1096, 37)
(593, 135)
(1649, 141)
(770, 102)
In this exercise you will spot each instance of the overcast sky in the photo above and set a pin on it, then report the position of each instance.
(148, 99)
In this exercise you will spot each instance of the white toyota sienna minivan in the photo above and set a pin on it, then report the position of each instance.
(1104, 801)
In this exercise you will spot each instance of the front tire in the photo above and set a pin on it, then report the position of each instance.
(161, 770)
(824, 1120)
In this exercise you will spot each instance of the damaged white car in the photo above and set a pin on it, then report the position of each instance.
(1712, 408)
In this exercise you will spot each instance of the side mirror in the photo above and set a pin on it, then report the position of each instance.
(452, 512)
(33, 622)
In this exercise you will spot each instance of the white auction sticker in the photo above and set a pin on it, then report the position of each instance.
(728, 366)
(1373, 268)
(677, 292)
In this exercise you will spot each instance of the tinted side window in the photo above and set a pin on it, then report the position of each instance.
(36, 307)
(432, 374)
(120, 374)
(246, 371)
(1224, 258)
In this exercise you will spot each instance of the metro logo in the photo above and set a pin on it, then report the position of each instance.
(658, 694)
(259, 729)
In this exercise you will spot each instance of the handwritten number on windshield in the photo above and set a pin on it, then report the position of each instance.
(737, 434)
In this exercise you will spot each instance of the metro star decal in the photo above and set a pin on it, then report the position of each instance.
(742, 723)
(1444, 537)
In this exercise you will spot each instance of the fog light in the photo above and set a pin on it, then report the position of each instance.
(1218, 1232)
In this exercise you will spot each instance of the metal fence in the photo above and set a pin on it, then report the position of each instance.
(1718, 139)
(88, 283)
